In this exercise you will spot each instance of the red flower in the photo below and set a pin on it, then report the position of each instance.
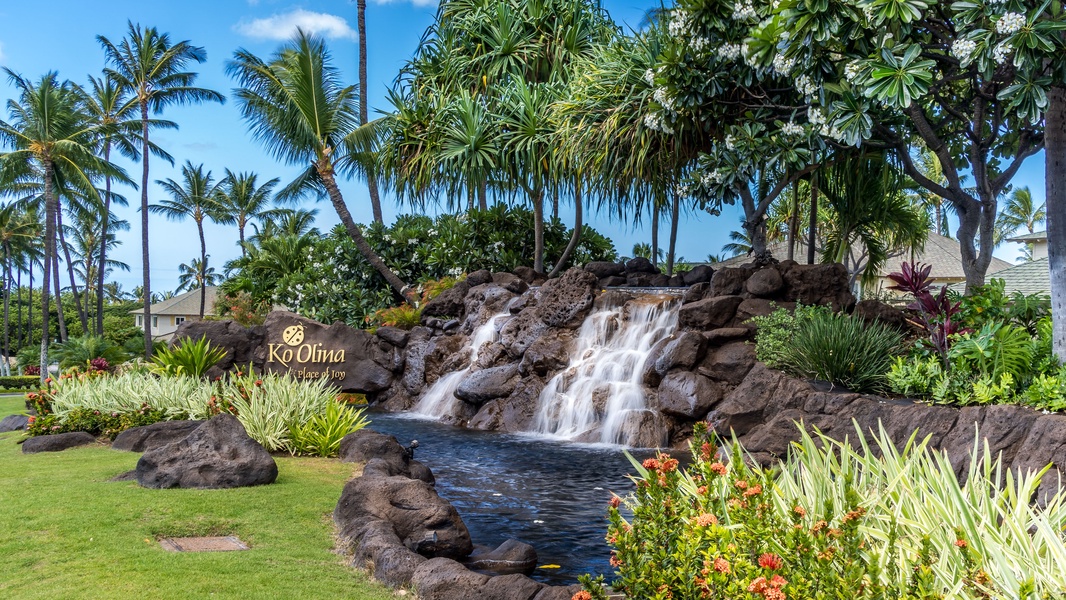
(615, 501)
(778, 582)
(582, 595)
(770, 561)
(721, 565)
(961, 543)
(651, 463)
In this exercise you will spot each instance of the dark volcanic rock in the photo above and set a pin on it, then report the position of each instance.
(819, 284)
(710, 313)
(445, 579)
(528, 275)
(424, 522)
(755, 307)
(699, 274)
(239, 342)
(602, 269)
(682, 352)
(479, 278)
(729, 281)
(150, 437)
(613, 281)
(717, 337)
(695, 292)
(510, 282)
(488, 384)
(688, 395)
(549, 353)
(366, 444)
(393, 335)
(640, 265)
(677, 280)
(660, 280)
(57, 442)
(1045, 444)
(14, 423)
(564, 301)
(764, 283)
(641, 279)
(509, 557)
(449, 303)
(730, 363)
(874, 311)
(350, 358)
(218, 454)
(380, 551)
(514, 413)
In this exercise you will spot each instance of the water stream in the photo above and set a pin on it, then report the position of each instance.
(600, 396)
(549, 494)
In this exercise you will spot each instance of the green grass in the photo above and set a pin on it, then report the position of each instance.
(66, 532)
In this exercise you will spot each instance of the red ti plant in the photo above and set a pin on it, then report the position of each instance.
(936, 313)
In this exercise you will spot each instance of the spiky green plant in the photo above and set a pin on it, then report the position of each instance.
(321, 435)
(843, 350)
(188, 358)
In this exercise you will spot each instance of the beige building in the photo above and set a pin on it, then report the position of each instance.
(169, 314)
(1037, 240)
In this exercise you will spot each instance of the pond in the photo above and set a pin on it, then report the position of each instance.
(550, 494)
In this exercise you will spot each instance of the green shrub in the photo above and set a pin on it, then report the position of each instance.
(321, 435)
(403, 316)
(20, 382)
(1047, 392)
(78, 351)
(188, 358)
(860, 520)
(996, 349)
(269, 406)
(990, 302)
(842, 350)
(775, 331)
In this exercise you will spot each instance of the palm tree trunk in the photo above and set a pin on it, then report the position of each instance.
(793, 220)
(1055, 187)
(103, 246)
(482, 195)
(655, 235)
(575, 237)
(18, 308)
(56, 282)
(82, 317)
(144, 234)
(241, 223)
(538, 230)
(326, 172)
(812, 230)
(7, 309)
(469, 198)
(371, 181)
(203, 267)
(675, 214)
(49, 242)
(555, 205)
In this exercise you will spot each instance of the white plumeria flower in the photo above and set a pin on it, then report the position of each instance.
(729, 51)
(1001, 53)
(649, 76)
(852, 70)
(792, 129)
(1010, 23)
(963, 49)
(783, 65)
(806, 86)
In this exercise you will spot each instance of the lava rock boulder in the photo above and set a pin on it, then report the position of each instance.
(156, 435)
(218, 454)
(57, 442)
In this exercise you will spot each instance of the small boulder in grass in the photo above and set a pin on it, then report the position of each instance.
(57, 442)
(218, 454)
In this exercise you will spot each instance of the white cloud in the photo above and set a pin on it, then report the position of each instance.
(283, 26)
(415, 2)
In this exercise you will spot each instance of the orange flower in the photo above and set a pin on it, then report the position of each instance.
(741, 484)
(778, 581)
(799, 510)
(582, 595)
(669, 464)
(773, 594)
(651, 463)
(721, 565)
(614, 561)
(758, 585)
(706, 450)
(706, 520)
(753, 491)
(615, 501)
(961, 543)
(770, 561)
(718, 468)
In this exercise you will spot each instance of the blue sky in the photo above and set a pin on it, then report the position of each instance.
(36, 37)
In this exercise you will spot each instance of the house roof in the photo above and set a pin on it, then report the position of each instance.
(1033, 277)
(1037, 236)
(942, 252)
(183, 304)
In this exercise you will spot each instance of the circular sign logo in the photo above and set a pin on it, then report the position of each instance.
(293, 335)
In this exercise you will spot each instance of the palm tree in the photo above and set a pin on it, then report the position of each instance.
(371, 181)
(14, 230)
(114, 292)
(285, 221)
(152, 69)
(240, 200)
(196, 198)
(740, 244)
(1020, 212)
(197, 275)
(114, 111)
(295, 105)
(52, 143)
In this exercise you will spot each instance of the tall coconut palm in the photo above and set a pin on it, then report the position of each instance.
(115, 112)
(240, 200)
(197, 275)
(196, 198)
(51, 141)
(14, 230)
(153, 70)
(1020, 212)
(296, 106)
(364, 92)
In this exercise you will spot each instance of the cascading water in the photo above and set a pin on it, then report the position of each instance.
(439, 400)
(600, 396)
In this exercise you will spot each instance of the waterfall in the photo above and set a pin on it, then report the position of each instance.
(439, 400)
(600, 397)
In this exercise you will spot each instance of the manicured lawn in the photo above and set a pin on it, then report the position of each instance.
(66, 532)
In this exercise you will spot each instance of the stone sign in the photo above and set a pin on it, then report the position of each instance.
(350, 358)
